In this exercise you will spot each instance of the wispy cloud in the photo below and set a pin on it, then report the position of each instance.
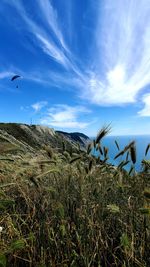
(50, 16)
(56, 47)
(119, 63)
(44, 38)
(64, 116)
(39, 105)
(122, 57)
(145, 112)
(52, 50)
(5, 74)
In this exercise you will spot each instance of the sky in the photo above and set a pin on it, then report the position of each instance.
(83, 64)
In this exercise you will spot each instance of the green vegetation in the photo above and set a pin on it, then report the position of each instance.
(70, 208)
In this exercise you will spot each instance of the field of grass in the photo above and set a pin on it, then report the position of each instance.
(73, 209)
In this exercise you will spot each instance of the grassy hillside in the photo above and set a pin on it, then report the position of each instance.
(35, 136)
(69, 208)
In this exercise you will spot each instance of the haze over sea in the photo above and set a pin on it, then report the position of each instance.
(141, 142)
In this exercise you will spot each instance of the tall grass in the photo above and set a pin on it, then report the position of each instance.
(73, 209)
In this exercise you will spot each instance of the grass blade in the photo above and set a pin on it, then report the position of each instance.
(133, 153)
(117, 145)
(102, 133)
(146, 151)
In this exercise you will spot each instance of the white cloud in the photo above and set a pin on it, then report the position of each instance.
(39, 105)
(66, 124)
(113, 92)
(145, 112)
(5, 74)
(121, 57)
(64, 116)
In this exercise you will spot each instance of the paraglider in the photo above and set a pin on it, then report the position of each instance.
(15, 77)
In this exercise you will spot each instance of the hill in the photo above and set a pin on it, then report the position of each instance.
(30, 137)
(25, 146)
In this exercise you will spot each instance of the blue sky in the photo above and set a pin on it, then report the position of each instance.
(83, 64)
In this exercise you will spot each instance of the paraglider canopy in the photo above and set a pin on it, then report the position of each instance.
(15, 77)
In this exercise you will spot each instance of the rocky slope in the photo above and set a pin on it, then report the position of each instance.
(29, 137)
(25, 148)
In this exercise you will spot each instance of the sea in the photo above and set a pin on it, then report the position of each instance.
(141, 142)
